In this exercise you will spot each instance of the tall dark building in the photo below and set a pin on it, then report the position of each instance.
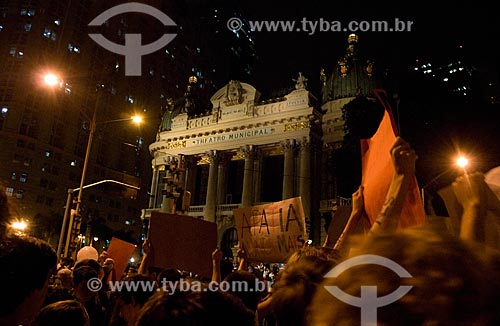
(44, 131)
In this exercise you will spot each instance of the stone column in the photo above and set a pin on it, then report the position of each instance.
(154, 187)
(190, 177)
(257, 176)
(288, 175)
(210, 204)
(221, 181)
(305, 177)
(247, 193)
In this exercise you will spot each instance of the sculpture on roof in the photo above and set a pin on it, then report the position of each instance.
(300, 82)
(166, 120)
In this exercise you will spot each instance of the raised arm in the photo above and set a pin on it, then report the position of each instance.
(242, 255)
(148, 249)
(471, 192)
(403, 160)
(356, 214)
(216, 259)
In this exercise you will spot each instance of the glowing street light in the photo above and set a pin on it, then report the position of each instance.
(19, 226)
(462, 162)
(51, 79)
(137, 119)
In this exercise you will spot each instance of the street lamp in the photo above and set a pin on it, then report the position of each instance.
(462, 162)
(67, 213)
(93, 125)
(20, 226)
(51, 79)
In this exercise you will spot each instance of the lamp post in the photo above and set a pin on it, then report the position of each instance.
(52, 80)
(93, 125)
(68, 215)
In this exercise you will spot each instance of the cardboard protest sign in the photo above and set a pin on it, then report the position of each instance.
(378, 171)
(120, 251)
(271, 232)
(182, 242)
(338, 222)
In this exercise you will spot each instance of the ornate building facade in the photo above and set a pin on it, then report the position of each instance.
(249, 152)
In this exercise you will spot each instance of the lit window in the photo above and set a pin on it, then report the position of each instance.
(445, 79)
(31, 13)
(23, 178)
(4, 111)
(13, 52)
(47, 32)
(1, 28)
(48, 153)
(19, 194)
(9, 191)
(73, 163)
(57, 22)
(70, 47)
(13, 176)
(27, 27)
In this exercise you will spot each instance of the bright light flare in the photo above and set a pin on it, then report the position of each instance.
(137, 119)
(51, 80)
(462, 162)
(19, 225)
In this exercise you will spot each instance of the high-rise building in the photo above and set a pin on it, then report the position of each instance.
(44, 131)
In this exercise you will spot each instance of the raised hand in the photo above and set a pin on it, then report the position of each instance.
(403, 157)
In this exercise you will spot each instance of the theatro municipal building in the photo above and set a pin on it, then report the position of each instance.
(248, 151)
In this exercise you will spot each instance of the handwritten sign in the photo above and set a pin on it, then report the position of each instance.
(271, 232)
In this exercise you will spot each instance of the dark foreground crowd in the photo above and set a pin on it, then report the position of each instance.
(387, 276)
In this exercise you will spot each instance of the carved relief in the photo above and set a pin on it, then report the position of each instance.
(288, 144)
(234, 93)
(369, 68)
(343, 67)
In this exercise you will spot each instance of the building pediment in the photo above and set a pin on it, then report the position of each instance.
(234, 93)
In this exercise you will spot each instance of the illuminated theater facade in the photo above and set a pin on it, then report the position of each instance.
(247, 152)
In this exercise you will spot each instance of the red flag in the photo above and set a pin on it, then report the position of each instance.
(378, 171)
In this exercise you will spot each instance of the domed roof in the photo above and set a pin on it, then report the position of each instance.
(351, 76)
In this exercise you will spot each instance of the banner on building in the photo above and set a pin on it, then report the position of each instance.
(269, 233)
(378, 171)
(120, 251)
(182, 242)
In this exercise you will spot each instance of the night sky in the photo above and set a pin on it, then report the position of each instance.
(436, 125)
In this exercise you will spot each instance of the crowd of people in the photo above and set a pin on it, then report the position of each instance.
(440, 278)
